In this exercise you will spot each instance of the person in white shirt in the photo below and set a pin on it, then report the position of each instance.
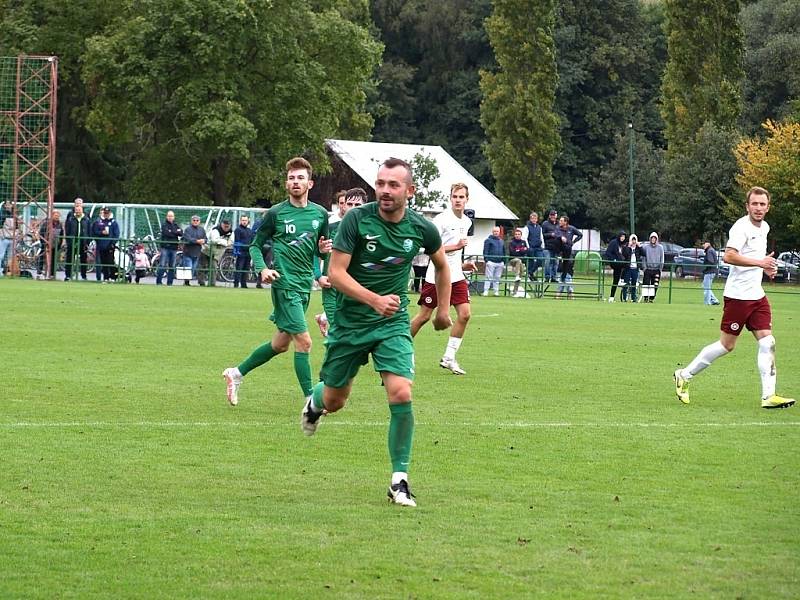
(453, 226)
(745, 303)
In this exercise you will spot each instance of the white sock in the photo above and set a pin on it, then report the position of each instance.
(707, 355)
(453, 344)
(399, 476)
(766, 365)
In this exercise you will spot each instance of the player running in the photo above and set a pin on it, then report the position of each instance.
(453, 226)
(370, 264)
(298, 229)
(352, 198)
(745, 303)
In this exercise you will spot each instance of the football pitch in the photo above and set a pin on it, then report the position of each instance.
(560, 466)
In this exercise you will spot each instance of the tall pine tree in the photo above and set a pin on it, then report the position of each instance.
(703, 79)
(517, 111)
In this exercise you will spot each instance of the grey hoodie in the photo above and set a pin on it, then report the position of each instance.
(653, 254)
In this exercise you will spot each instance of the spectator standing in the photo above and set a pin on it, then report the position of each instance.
(494, 261)
(616, 260)
(171, 234)
(632, 253)
(6, 211)
(518, 251)
(568, 236)
(453, 227)
(653, 259)
(7, 235)
(419, 265)
(710, 268)
(552, 243)
(194, 238)
(141, 262)
(242, 237)
(105, 230)
(78, 233)
(219, 240)
(51, 233)
(535, 240)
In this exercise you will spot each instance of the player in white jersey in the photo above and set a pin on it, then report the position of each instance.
(453, 226)
(746, 304)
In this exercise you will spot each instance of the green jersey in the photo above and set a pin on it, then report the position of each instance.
(321, 264)
(295, 233)
(380, 260)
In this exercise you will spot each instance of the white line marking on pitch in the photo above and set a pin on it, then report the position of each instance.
(334, 423)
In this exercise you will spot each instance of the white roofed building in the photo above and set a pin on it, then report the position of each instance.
(355, 164)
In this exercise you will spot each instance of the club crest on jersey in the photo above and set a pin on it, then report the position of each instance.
(314, 224)
(407, 245)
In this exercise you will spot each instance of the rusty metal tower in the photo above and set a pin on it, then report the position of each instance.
(28, 103)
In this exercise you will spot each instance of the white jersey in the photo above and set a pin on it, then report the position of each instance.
(452, 229)
(744, 283)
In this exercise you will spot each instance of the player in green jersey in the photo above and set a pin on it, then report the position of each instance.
(298, 230)
(352, 198)
(370, 266)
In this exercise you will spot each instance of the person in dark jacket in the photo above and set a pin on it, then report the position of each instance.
(552, 243)
(633, 256)
(535, 238)
(568, 236)
(242, 236)
(710, 268)
(105, 231)
(171, 234)
(78, 233)
(616, 261)
(494, 253)
(194, 237)
(518, 251)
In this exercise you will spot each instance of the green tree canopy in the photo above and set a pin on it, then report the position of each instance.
(703, 79)
(208, 98)
(517, 111)
(772, 60)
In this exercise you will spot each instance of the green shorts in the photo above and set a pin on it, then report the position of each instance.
(346, 350)
(289, 310)
(329, 297)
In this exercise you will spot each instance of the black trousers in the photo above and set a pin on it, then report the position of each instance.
(242, 270)
(617, 269)
(106, 269)
(75, 250)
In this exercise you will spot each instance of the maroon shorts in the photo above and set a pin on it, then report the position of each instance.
(756, 315)
(459, 294)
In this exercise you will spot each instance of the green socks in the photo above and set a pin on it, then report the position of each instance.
(302, 369)
(319, 405)
(258, 357)
(401, 434)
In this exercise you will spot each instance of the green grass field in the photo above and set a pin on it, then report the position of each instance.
(561, 466)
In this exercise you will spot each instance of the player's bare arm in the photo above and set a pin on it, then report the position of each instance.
(768, 263)
(442, 318)
(339, 277)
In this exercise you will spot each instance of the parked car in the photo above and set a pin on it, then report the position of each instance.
(670, 252)
(788, 266)
(689, 261)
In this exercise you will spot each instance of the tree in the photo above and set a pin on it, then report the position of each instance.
(517, 112)
(608, 200)
(428, 91)
(774, 163)
(772, 61)
(700, 186)
(208, 98)
(704, 72)
(610, 59)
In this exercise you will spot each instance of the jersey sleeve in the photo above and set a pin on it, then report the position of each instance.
(737, 238)
(265, 232)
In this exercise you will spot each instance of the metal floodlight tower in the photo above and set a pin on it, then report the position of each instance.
(28, 104)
